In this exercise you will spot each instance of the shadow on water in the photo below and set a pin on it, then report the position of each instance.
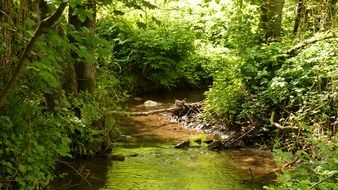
(151, 162)
(84, 174)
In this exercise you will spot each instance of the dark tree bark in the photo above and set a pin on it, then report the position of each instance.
(24, 10)
(69, 83)
(271, 19)
(6, 35)
(85, 72)
(44, 24)
(43, 9)
(299, 13)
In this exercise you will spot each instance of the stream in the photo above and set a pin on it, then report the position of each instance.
(151, 162)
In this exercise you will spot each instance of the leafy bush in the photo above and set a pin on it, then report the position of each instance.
(157, 54)
(297, 93)
(238, 94)
(31, 139)
(308, 84)
(315, 170)
(34, 134)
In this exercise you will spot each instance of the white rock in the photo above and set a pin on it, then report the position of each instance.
(150, 103)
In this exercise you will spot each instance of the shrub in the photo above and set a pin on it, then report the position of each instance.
(156, 54)
(299, 94)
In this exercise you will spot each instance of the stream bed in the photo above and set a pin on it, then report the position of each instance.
(152, 163)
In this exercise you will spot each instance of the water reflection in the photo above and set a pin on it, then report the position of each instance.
(84, 174)
(151, 162)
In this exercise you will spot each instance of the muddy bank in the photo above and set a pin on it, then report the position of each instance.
(189, 115)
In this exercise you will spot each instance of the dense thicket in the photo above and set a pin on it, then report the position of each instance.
(273, 65)
(286, 86)
(150, 52)
(48, 109)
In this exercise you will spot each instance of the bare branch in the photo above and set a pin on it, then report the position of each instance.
(273, 123)
(291, 52)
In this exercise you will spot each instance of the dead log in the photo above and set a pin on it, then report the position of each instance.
(180, 106)
(144, 113)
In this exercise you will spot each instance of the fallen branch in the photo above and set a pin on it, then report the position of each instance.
(283, 167)
(78, 172)
(292, 52)
(179, 106)
(125, 113)
(277, 124)
(322, 180)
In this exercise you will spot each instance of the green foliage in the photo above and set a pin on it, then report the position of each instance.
(34, 132)
(156, 48)
(301, 90)
(157, 54)
(164, 45)
(308, 84)
(225, 97)
(30, 140)
(258, 85)
(239, 91)
(317, 170)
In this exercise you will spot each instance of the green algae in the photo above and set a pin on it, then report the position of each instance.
(164, 168)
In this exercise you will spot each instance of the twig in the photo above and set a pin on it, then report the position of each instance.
(277, 124)
(125, 113)
(175, 108)
(252, 177)
(4, 13)
(240, 137)
(75, 171)
(320, 181)
(283, 167)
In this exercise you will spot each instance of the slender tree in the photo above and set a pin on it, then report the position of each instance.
(6, 32)
(299, 13)
(85, 72)
(271, 19)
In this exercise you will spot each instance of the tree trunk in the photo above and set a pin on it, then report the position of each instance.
(6, 36)
(271, 19)
(299, 13)
(43, 25)
(85, 72)
(69, 83)
(332, 12)
(24, 10)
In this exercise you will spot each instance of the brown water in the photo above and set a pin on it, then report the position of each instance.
(152, 163)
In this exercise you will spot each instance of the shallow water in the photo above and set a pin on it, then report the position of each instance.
(166, 168)
(151, 162)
